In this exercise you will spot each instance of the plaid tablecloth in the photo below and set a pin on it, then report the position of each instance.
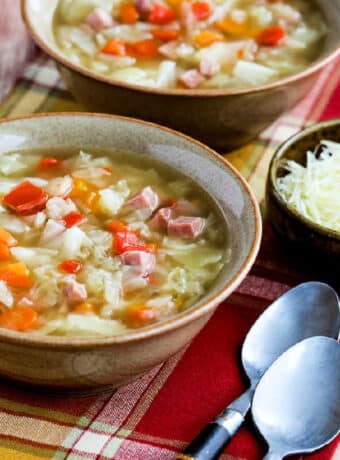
(154, 417)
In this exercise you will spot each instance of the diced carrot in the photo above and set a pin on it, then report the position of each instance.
(85, 307)
(272, 36)
(19, 319)
(201, 10)
(85, 192)
(231, 27)
(115, 46)
(207, 37)
(49, 163)
(154, 279)
(240, 54)
(108, 169)
(175, 4)
(161, 14)
(145, 48)
(26, 199)
(72, 218)
(166, 34)
(139, 315)
(16, 275)
(5, 253)
(152, 247)
(116, 226)
(7, 238)
(126, 240)
(129, 13)
(70, 266)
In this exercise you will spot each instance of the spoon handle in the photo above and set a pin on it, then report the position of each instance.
(211, 441)
(208, 445)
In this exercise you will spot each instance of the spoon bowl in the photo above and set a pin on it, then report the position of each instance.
(296, 405)
(307, 310)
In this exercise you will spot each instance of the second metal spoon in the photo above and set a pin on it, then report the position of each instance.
(310, 309)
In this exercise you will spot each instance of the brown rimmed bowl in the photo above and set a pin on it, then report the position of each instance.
(306, 238)
(222, 118)
(86, 365)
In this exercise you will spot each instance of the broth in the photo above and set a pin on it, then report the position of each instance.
(190, 44)
(100, 243)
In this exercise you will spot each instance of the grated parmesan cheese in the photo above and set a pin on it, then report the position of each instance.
(313, 190)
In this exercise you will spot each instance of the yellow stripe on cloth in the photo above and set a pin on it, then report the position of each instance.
(32, 429)
(10, 454)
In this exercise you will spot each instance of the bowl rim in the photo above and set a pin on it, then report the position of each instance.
(179, 320)
(315, 66)
(272, 175)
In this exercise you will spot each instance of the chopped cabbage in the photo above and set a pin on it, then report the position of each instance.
(6, 297)
(83, 325)
(112, 198)
(255, 74)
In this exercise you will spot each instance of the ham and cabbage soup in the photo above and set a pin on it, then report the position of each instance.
(190, 43)
(100, 244)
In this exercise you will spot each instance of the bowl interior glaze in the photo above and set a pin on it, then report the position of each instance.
(39, 17)
(237, 205)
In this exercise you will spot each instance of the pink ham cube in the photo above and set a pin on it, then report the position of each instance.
(99, 19)
(144, 262)
(146, 200)
(161, 219)
(209, 67)
(75, 292)
(191, 78)
(186, 227)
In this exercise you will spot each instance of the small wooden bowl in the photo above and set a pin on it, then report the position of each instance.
(309, 238)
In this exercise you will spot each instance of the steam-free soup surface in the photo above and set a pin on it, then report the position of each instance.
(100, 244)
(190, 43)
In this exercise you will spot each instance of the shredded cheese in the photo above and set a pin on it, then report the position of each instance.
(313, 190)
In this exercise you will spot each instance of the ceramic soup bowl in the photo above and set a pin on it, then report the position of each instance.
(85, 365)
(222, 118)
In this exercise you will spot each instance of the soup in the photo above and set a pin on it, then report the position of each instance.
(100, 244)
(188, 43)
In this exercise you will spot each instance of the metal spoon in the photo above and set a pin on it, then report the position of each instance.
(296, 404)
(307, 310)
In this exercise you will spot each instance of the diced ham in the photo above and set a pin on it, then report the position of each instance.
(209, 67)
(144, 7)
(99, 19)
(75, 292)
(133, 281)
(144, 262)
(146, 200)
(161, 219)
(191, 78)
(169, 49)
(60, 186)
(186, 227)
